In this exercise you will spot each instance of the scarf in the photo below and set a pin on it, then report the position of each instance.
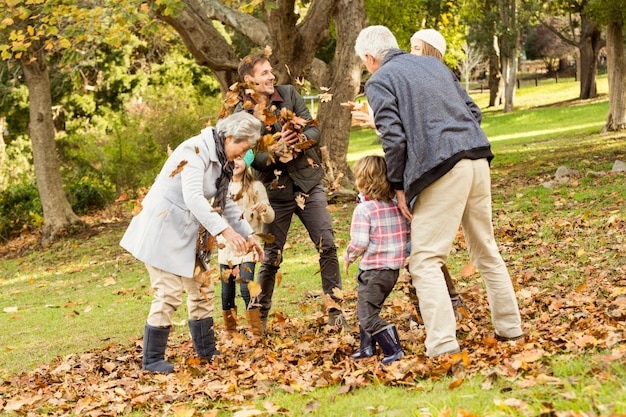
(205, 239)
(227, 173)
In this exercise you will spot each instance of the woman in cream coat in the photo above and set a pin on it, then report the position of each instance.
(164, 233)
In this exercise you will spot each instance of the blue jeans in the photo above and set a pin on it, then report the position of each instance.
(318, 222)
(246, 273)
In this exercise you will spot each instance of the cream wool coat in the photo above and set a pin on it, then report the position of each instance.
(226, 254)
(165, 231)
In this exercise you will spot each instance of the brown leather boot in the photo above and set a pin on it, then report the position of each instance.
(230, 320)
(254, 320)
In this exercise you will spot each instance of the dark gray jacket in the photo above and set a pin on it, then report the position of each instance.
(301, 173)
(426, 120)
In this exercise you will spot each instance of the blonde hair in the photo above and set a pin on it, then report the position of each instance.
(428, 49)
(247, 181)
(370, 174)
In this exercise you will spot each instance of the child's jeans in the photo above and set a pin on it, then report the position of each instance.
(374, 287)
(246, 273)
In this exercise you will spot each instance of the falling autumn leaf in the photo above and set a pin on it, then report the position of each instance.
(254, 288)
(178, 169)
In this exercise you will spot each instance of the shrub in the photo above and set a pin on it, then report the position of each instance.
(20, 209)
(89, 194)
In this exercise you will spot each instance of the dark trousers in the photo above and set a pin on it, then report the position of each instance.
(317, 220)
(374, 287)
(246, 272)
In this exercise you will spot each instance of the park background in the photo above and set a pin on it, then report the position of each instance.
(73, 307)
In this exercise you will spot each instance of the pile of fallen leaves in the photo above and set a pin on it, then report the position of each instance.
(302, 354)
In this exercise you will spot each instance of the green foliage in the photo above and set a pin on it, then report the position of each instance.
(16, 164)
(20, 209)
(89, 194)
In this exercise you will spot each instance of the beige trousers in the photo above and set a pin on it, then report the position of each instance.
(462, 196)
(168, 291)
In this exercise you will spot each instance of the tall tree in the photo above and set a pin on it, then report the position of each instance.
(30, 32)
(612, 13)
(484, 14)
(295, 33)
(581, 31)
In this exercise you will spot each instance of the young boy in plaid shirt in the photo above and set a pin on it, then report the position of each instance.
(378, 236)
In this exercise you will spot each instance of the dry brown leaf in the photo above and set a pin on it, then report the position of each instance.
(178, 169)
(468, 270)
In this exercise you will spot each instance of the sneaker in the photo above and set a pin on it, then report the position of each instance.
(337, 319)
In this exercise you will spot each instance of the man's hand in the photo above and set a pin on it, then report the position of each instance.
(403, 206)
(289, 137)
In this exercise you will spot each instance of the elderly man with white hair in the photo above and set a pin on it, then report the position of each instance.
(438, 162)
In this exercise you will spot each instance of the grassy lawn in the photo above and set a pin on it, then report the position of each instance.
(73, 314)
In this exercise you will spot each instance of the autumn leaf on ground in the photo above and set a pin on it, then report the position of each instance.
(468, 270)
(137, 209)
(122, 197)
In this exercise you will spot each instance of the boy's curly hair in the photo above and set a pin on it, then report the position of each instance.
(370, 173)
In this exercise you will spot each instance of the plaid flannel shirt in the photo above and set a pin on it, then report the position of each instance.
(378, 235)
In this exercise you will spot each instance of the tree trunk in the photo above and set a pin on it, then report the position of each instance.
(508, 43)
(495, 79)
(344, 78)
(509, 74)
(590, 43)
(57, 212)
(616, 65)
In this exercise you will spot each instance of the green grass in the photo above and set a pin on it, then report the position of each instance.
(561, 244)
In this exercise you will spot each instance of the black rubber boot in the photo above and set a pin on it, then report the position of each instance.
(368, 346)
(154, 344)
(203, 337)
(389, 342)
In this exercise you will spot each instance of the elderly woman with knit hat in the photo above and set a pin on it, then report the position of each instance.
(251, 197)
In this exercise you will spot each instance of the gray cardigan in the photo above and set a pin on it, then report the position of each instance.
(426, 120)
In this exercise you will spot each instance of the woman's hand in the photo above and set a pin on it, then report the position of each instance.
(237, 242)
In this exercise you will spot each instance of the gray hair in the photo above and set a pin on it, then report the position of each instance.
(375, 41)
(242, 126)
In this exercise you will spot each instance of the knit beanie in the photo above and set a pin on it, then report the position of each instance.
(248, 157)
(431, 37)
